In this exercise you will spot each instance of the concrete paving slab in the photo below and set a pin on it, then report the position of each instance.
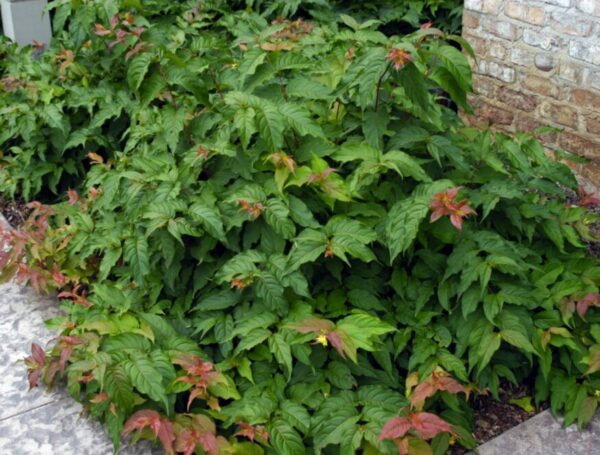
(58, 428)
(544, 435)
(22, 316)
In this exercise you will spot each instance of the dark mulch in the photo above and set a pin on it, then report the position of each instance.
(493, 417)
(15, 211)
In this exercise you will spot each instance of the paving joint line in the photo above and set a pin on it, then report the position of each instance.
(35, 408)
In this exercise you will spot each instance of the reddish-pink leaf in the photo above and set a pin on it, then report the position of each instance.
(312, 324)
(65, 347)
(584, 304)
(208, 442)
(395, 428)
(582, 308)
(198, 392)
(57, 276)
(444, 203)
(456, 221)
(246, 431)
(138, 47)
(73, 197)
(322, 176)
(428, 425)
(186, 441)
(253, 432)
(422, 392)
(38, 354)
(166, 435)
(402, 446)
(203, 424)
(337, 343)
(50, 372)
(399, 57)
(449, 384)
(587, 199)
(99, 398)
(114, 20)
(101, 31)
(33, 377)
(142, 419)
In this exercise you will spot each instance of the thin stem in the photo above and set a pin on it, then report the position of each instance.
(379, 82)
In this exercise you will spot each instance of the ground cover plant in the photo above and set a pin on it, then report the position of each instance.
(273, 235)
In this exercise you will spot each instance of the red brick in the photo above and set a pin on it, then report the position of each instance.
(486, 113)
(470, 20)
(527, 123)
(561, 114)
(502, 29)
(592, 125)
(579, 145)
(478, 44)
(530, 14)
(586, 98)
(484, 86)
(540, 85)
(591, 172)
(570, 24)
(517, 99)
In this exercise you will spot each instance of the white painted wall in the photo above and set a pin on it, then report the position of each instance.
(25, 21)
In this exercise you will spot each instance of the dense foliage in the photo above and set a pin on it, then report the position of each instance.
(279, 239)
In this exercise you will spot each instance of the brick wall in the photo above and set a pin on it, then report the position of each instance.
(538, 63)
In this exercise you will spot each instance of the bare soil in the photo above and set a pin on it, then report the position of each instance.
(493, 417)
(15, 211)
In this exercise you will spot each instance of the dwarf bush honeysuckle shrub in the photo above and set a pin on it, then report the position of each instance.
(276, 238)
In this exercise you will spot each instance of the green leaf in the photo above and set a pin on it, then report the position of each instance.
(173, 123)
(335, 421)
(350, 236)
(119, 388)
(135, 253)
(303, 87)
(282, 352)
(252, 339)
(374, 127)
(413, 82)
(457, 64)
(488, 345)
(270, 291)
(307, 247)
(402, 225)
(210, 219)
(270, 126)
(218, 301)
(151, 87)
(339, 375)
(277, 216)
(300, 120)
(405, 165)
(284, 439)
(137, 69)
(361, 327)
(245, 122)
(296, 415)
(356, 151)
(252, 59)
(146, 378)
